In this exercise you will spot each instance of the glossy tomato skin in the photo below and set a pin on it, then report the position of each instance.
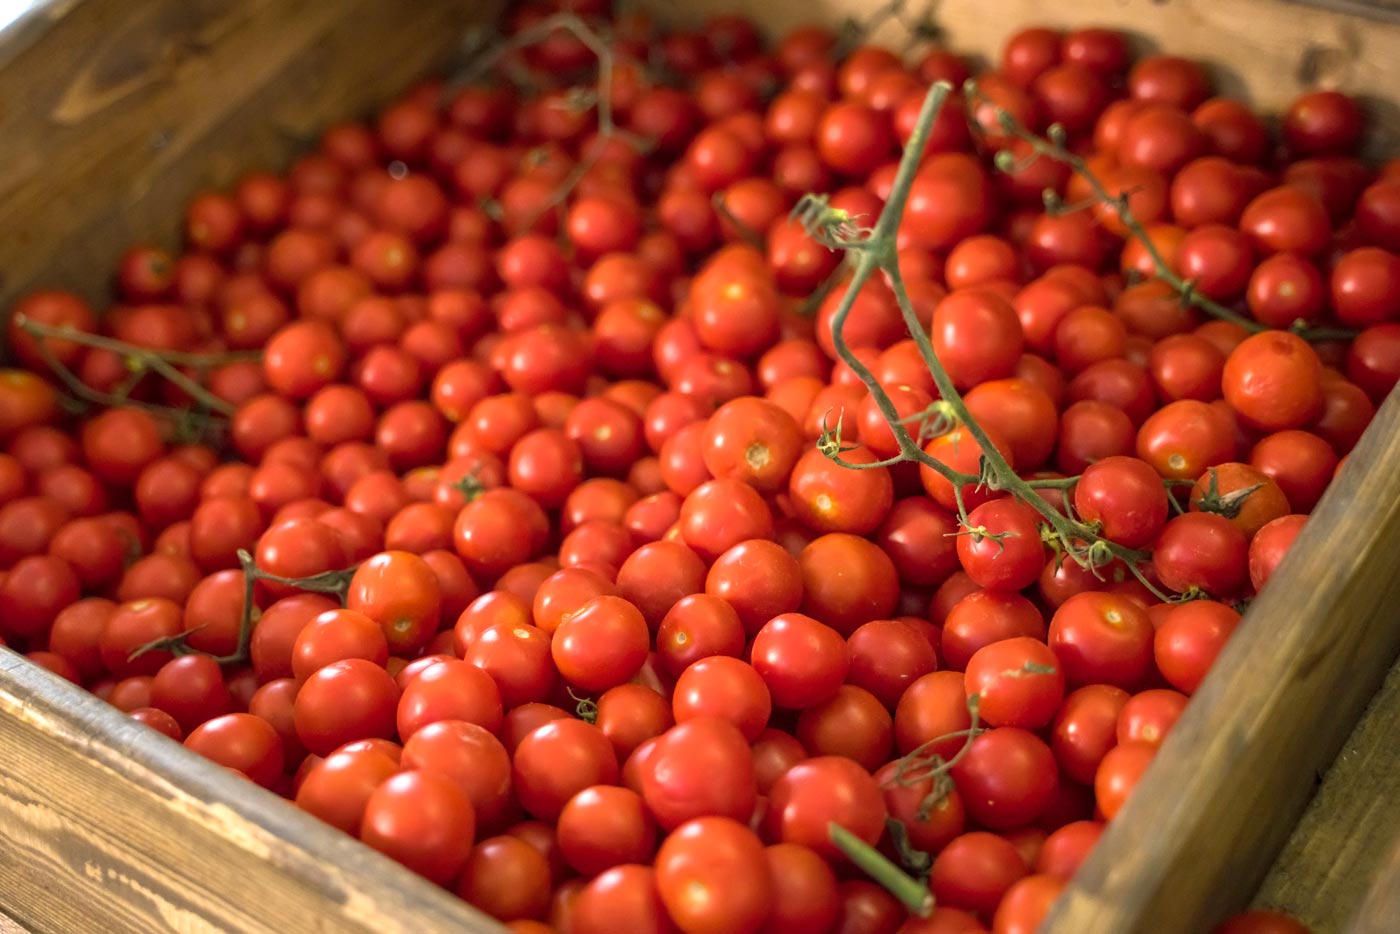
(1188, 640)
(338, 787)
(1102, 638)
(242, 742)
(1269, 545)
(624, 896)
(801, 660)
(713, 875)
(1126, 496)
(700, 768)
(1018, 682)
(1274, 381)
(1118, 775)
(602, 644)
(1006, 778)
(1203, 551)
(556, 761)
(345, 701)
(975, 870)
(867, 588)
(829, 497)
(423, 820)
(399, 591)
(821, 790)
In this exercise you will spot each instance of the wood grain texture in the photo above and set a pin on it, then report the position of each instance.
(1380, 913)
(119, 112)
(108, 827)
(1344, 838)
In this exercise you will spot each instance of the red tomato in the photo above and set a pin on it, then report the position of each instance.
(602, 644)
(974, 872)
(714, 876)
(817, 792)
(1001, 549)
(1006, 778)
(801, 660)
(1102, 638)
(242, 742)
(345, 701)
(1118, 774)
(556, 761)
(1203, 551)
(423, 820)
(1188, 639)
(701, 768)
(1274, 381)
(1019, 682)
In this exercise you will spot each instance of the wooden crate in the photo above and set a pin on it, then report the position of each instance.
(112, 114)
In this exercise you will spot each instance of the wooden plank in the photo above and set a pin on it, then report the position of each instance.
(1380, 913)
(105, 825)
(1341, 844)
(120, 111)
(9, 925)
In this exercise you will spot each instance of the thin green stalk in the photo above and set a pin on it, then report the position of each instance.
(914, 895)
(163, 362)
(875, 251)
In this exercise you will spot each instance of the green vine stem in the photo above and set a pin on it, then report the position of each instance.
(921, 764)
(874, 250)
(334, 583)
(139, 361)
(914, 895)
(1052, 146)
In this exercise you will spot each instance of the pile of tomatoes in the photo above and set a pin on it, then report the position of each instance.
(618, 643)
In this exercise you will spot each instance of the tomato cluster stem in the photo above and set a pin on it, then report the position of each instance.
(914, 895)
(139, 361)
(333, 583)
(875, 251)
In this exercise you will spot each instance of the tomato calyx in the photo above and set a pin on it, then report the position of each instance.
(585, 708)
(1223, 504)
(979, 533)
(1191, 594)
(936, 419)
(831, 227)
(470, 486)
